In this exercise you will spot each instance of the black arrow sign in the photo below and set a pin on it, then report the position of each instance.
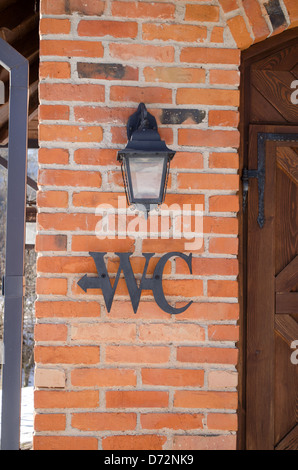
(89, 283)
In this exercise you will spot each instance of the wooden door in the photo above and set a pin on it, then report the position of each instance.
(272, 291)
(268, 398)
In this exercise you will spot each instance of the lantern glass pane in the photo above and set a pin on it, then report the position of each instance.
(146, 176)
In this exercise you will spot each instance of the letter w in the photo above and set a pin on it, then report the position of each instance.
(104, 282)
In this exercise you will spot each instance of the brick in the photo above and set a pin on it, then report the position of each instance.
(174, 32)
(209, 311)
(181, 116)
(103, 377)
(67, 222)
(222, 288)
(257, 21)
(221, 225)
(143, 10)
(217, 35)
(292, 8)
(107, 71)
(93, 243)
(51, 243)
(146, 310)
(276, 15)
(143, 442)
(224, 245)
(137, 354)
(140, 94)
(173, 377)
(224, 204)
(229, 5)
(222, 379)
(187, 160)
(183, 288)
(65, 48)
(67, 309)
(221, 442)
(55, 177)
(224, 160)
(66, 399)
(61, 7)
(59, 70)
(165, 246)
(239, 32)
(53, 113)
(66, 264)
(205, 399)
(66, 354)
(103, 332)
(222, 421)
(57, 199)
(174, 75)
(144, 52)
(49, 156)
(137, 399)
(70, 133)
(50, 332)
(172, 421)
(207, 355)
(209, 267)
(206, 96)
(202, 55)
(202, 13)
(223, 333)
(51, 286)
(96, 157)
(223, 118)
(93, 199)
(54, 26)
(116, 29)
(209, 181)
(50, 422)
(49, 378)
(224, 77)
(104, 421)
(176, 333)
(69, 92)
(64, 443)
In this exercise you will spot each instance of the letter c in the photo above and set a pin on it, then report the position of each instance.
(157, 282)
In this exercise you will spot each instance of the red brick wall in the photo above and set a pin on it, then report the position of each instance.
(119, 380)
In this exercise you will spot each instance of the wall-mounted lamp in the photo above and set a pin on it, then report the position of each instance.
(145, 161)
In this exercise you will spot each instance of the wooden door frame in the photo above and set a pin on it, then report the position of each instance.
(248, 57)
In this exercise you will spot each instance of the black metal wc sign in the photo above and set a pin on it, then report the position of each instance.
(102, 281)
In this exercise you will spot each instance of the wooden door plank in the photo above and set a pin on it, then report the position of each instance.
(287, 160)
(276, 88)
(287, 328)
(290, 442)
(287, 279)
(286, 216)
(286, 302)
(286, 390)
(260, 306)
(283, 60)
(262, 110)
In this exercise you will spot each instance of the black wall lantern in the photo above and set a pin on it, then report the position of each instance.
(145, 161)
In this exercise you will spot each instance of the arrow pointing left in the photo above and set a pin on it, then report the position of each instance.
(89, 283)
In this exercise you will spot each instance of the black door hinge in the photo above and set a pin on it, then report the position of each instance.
(260, 175)
(263, 138)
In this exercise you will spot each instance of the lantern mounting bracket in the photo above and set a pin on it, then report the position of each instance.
(140, 120)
